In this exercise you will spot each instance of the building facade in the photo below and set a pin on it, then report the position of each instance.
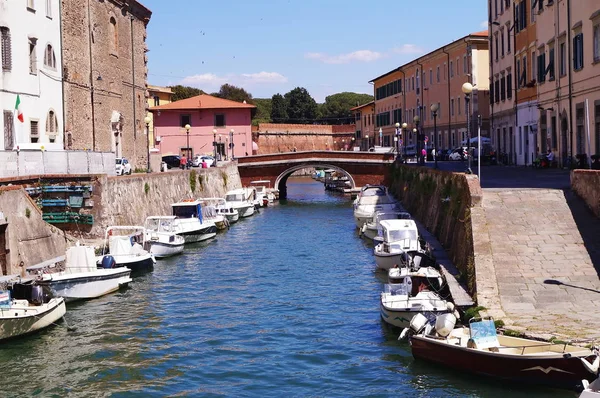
(105, 76)
(157, 96)
(216, 127)
(364, 116)
(405, 95)
(30, 54)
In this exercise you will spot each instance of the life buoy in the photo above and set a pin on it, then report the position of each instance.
(188, 200)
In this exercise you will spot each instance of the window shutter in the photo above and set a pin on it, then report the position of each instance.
(580, 53)
(6, 49)
(8, 130)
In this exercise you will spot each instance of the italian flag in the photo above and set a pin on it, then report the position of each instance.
(18, 110)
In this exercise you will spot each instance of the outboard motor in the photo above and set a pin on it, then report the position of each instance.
(108, 262)
(417, 324)
(37, 295)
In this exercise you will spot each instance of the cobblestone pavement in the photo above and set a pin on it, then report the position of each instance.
(539, 270)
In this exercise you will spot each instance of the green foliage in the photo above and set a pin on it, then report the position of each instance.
(336, 109)
(146, 188)
(201, 181)
(27, 212)
(512, 333)
(193, 180)
(278, 109)
(140, 170)
(301, 107)
(472, 312)
(263, 110)
(233, 93)
(182, 92)
(225, 178)
(499, 323)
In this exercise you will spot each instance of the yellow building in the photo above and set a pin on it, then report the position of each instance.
(157, 96)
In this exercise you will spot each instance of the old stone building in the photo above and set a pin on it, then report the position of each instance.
(105, 76)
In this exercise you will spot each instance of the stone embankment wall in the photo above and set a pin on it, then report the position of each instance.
(26, 239)
(277, 138)
(586, 183)
(128, 200)
(442, 201)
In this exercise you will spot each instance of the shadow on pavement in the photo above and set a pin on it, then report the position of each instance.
(556, 282)
(587, 224)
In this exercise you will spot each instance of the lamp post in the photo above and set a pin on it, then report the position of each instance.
(147, 120)
(187, 133)
(353, 143)
(404, 128)
(367, 137)
(231, 143)
(434, 109)
(396, 139)
(219, 154)
(467, 89)
(416, 131)
(215, 145)
(380, 137)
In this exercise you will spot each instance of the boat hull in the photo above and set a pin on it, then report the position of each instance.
(402, 318)
(30, 318)
(557, 371)
(137, 264)
(166, 249)
(232, 218)
(246, 211)
(386, 261)
(200, 234)
(87, 285)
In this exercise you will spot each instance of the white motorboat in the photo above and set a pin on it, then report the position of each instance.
(371, 199)
(401, 246)
(125, 250)
(242, 200)
(190, 222)
(264, 194)
(590, 390)
(79, 277)
(225, 209)
(412, 293)
(25, 309)
(160, 239)
(210, 212)
(372, 228)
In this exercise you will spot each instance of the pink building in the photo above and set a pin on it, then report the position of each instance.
(214, 124)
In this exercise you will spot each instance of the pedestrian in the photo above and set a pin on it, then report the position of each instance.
(423, 155)
(183, 162)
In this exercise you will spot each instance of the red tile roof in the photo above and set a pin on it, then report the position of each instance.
(482, 33)
(362, 106)
(203, 101)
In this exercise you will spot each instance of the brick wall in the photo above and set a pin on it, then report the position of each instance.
(278, 138)
(108, 76)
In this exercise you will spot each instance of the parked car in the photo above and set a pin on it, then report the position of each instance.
(444, 154)
(122, 166)
(172, 161)
(458, 154)
(199, 159)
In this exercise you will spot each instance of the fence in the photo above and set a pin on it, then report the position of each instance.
(35, 162)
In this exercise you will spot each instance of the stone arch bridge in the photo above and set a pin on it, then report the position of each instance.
(361, 167)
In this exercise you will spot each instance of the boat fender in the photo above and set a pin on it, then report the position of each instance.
(591, 367)
(108, 262)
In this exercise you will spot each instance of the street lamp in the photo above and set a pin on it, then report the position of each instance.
(404, 128)
(380, 137)
(147, 120)
(396, 138)
(231, 143)
(335, 145)
(467, 89)
(215, 145)
(219, 154)
(187, 133)
(367, 137)
(434, 109)
(416, 131)
(353, 143)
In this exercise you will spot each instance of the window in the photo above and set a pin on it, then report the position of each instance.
(51, 125)
(430, 76)
(597, 117)
(497, 90)
(496, 9)
(503, 88)
(550, 69)
(465, 65)
(458, 105)
(8, 130)
(31, 5)
(596, 43)
(509, 87)
(508, 39)
(185, 119)
(445, 77)
(438, 74)
(502, 43)
(49, 8)
(578, 51)
(451, 69)
(156, 100)
(452, 107)
(496, 44)
(518, 73)
(114, 35)
(34, 132)
(49, 57)
(32, 56)
(220, 120)
(5, 48)
(524, 69)
(563, 59)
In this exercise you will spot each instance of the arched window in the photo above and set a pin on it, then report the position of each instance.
(51, 125)
(49, 57)
(114, 36)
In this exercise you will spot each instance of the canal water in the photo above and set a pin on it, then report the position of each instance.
(285, 303)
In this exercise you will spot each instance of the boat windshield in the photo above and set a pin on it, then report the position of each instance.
(238, 197)
(396, 235)
(185, 211)
(396, 289)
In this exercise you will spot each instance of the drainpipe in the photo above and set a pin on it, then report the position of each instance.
(133, 82)
(448, 85)
(62, 75)
(91, 77)
(569, 46)
(404, 104)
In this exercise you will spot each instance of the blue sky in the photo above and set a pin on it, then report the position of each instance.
(272, 46)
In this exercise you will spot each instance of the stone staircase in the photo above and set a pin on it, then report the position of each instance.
(535, 251)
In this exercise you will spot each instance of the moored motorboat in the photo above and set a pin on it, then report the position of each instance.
(591, 390)
(401, 246)
(160, 239)
(79, 276)
(190, 222)
(25, 309)
(242, 200)
(210, 213)
(264, 194)
(480, 350)
(373, 198)
(372, 228)
(126, 250)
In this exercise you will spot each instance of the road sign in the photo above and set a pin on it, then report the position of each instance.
(426, 138)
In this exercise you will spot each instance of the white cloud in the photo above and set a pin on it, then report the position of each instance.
(358, 56)
(211, 82)
(408, 49)
(484, 24)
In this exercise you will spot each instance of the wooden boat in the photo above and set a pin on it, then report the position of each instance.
(480, 350)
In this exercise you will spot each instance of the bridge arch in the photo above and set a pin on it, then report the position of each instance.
(281, 180)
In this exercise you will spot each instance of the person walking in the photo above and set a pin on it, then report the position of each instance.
(183, 162)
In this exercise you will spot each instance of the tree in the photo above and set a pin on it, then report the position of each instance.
(301, 107)
(336, 109)
(234, 93)
(278, 109)
(263, 110)
(182, 92)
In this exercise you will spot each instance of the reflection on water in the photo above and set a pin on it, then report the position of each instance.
(284, 303)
